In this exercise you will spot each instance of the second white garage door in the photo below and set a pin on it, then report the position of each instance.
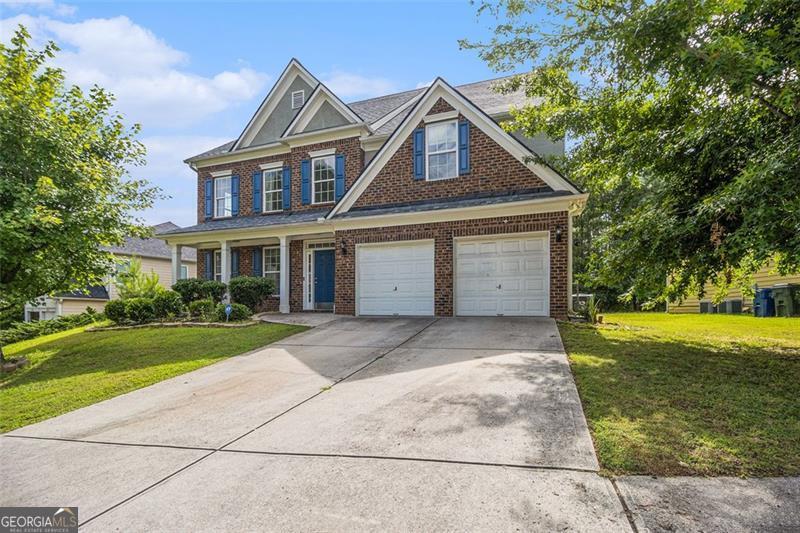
(506, 276)
(395, 279)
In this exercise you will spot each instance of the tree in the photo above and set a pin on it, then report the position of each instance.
(134, 283)
(65, 191)
(686, 121)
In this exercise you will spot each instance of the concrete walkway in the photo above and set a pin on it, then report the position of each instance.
(357, 424)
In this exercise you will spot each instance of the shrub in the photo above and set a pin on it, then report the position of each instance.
(140, 310)
(239, 312)
(189, 289)
(213, 289)
(21, 331)
(168, 304)
(250, 291)
(202, 309)
(115, 311)
(134, 283)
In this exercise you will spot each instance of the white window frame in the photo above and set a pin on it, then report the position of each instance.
(264, 270)
(217, 270)
(428, 153)
(302, 94)
(332, 157)
(184, 272)
(279, 190)
(229, 198)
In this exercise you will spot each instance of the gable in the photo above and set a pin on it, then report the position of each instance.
(326, 117)
(501, 163)
(494, 171)
(282, 115)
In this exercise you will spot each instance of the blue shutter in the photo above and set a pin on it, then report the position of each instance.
(257, 183)
(338, 188)
(234, 263)
(305, 181)
(209, 197)
(419, 153)
(257, 262)
(463, 147)
(209, 264)
(235, 196)
(287, 187)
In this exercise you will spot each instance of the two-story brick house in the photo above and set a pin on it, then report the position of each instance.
(416, 203)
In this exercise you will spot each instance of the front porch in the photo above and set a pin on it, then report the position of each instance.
(301, 266)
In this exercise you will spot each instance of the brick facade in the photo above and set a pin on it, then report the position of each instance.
(443, 234)
(354, 162)
(492, 170)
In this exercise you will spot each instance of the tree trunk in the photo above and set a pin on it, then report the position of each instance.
(2, 355)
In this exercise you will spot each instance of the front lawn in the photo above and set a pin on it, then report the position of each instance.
(73, 368)
(690, 394)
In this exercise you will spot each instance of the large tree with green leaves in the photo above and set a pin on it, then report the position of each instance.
(686, 121)
(64, 188)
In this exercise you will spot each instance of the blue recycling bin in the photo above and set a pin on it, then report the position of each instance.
(763, 303)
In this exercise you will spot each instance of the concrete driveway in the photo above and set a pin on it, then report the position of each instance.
(358, 424)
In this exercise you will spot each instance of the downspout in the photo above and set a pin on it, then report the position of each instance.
(569, 262)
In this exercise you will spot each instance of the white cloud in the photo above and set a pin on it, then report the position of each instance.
(423, 84)
(348, 85)
(147, 76)
(62, 10)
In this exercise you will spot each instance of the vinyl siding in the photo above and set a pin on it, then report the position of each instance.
(76, 307)
(765, 278)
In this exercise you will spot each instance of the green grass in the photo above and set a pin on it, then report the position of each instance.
(690, 394)
(73, 368)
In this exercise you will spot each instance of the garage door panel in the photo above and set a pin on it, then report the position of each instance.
(395, 279)
(502, 276)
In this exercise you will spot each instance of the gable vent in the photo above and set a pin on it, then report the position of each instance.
(298, 99)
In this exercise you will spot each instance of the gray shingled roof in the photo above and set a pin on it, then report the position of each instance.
(95, 292)
(451, 203)
(481, 93)
(153, 247)
(256, 221)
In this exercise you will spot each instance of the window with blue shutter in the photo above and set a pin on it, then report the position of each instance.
(257, 262)
(209, 198)
(235, 196)
(257, 182)
(209, 265)
(463, 147)
(305, 181)
(339, 183)
(287, 187)
(419, 154)
(234, 263)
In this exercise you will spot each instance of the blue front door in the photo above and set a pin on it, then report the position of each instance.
(323, 279)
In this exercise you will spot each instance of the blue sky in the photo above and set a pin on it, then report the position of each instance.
(192, 73)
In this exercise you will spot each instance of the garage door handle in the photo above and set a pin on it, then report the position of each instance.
(395, 288)
(499, 286)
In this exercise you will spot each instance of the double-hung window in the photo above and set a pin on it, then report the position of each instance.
(273, 190)
(322, 179)
(218, 265)
(272, 266)
(441, 140)
(223, 197)
(184, 272)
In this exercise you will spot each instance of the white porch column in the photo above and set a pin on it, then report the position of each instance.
(225, 259)
(284, 275)
(177, 250)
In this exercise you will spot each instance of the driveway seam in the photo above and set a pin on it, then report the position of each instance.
(628, 512)
(196, 461)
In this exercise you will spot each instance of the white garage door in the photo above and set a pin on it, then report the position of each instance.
(506, 276)
(395, 279)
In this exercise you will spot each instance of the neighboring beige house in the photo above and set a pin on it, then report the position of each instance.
(734, 302)
(155, 256)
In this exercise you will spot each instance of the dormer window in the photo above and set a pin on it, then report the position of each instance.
(298, 99)
(442, 150)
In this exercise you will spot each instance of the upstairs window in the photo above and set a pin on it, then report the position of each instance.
(223, 197)
(273, 190)
(441, 149)
(298, 99)
(322, 179)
